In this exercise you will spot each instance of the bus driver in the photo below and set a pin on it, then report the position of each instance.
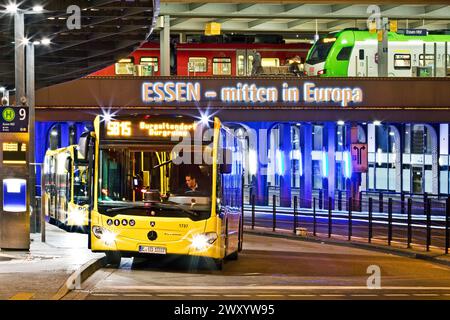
(191, 183)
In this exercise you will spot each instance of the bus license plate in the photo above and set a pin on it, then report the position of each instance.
(148, 249)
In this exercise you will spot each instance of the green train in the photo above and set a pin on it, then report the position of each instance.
(353, 53)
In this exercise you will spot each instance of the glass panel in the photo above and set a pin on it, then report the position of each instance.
(240, 65)
(402, 61)
(317, 174)
(221, 66)
(417, 177)
(150, 61)
(318, 137)
(381, 178)
(249, 64)
(125, 67)
(270, 62)
(197, 64)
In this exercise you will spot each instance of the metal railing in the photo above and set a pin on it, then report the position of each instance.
(406, 221)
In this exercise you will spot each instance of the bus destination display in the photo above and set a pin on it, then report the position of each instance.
(141, 129)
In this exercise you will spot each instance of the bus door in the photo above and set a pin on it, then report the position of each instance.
(52, 187)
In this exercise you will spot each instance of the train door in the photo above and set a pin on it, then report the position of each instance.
(241, 63)
(244, 62)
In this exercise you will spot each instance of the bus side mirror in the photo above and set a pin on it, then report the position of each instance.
(225, 166)
(83, 144)
(68, 164)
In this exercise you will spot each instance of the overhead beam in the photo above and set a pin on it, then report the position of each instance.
(257, 22)
(298, 22)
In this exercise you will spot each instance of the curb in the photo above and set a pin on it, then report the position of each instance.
(80, 275)
(358, 245)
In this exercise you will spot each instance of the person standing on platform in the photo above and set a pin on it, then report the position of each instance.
(256, 66)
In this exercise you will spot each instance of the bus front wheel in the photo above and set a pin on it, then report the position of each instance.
(113, 258)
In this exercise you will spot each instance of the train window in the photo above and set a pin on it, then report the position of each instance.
(361, 54)
(221, 66)
(270, 62)
(426, 60)
(344, 54)
(125, 66)
(150, 61)
(197, 64)
(249, 64)
(402, 61)
(241, 65)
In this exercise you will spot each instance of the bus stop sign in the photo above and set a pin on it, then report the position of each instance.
(14, 119)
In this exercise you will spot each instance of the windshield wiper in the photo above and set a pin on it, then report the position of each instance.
(124, 208)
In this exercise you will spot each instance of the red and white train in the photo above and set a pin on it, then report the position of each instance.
(208, 59)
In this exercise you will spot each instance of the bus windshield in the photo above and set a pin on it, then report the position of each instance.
(135, 179)
(320, 51)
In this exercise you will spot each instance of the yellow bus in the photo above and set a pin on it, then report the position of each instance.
(65, 196)
(164, 185)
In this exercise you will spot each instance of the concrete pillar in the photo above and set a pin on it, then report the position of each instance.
(306, 177)
(164, 46)
(19, 55)
(285, 177)
(32, 169)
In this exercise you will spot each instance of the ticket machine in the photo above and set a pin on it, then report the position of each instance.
(14, 200)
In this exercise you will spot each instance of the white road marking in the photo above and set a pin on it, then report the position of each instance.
(302, 295)
(205, 295)
(396, 294)
(332, 295)
(170, 295)
(137, 295)
(364, 295)
(236, 295)
(270, 295)
(425, 294)
(104, 294)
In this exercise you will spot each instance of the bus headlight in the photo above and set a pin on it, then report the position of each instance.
(203, 241)
(105, 235)
(77, 216)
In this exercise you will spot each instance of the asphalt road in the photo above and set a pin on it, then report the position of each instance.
(271, 268)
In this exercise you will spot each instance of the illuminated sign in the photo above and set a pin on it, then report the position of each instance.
(359, 157)
(309, 94)
(139, 129)
(14, 119)
(14, 152)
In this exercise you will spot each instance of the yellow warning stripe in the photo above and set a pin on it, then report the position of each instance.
(22, 296)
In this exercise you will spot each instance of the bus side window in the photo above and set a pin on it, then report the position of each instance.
(361, 54)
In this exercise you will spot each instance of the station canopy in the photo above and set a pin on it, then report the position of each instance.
(294, 19)
(109, 30)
